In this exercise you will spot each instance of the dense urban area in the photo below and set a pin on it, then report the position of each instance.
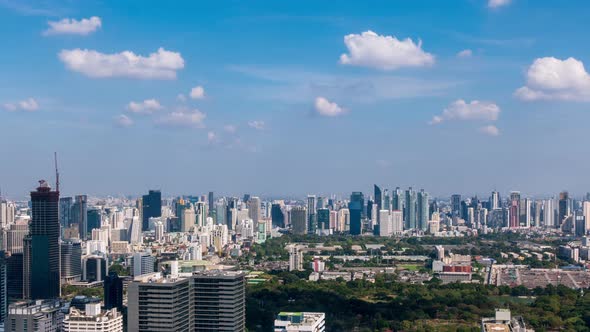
(395, 260)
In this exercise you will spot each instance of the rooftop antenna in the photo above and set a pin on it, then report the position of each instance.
(56, 173)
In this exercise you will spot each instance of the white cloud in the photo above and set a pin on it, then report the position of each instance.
(325, 107)
(465, 54)
(181, 98)
(256, 124)
(211, 137)
(550, 78)
(384, 52)
(123, 120)
(183, 118)
(475, 110)
(70, 26)
(159, 65)
(197, 92)
(498, 3)
(230, 128)
(489, 130)
(147, 106)
(29, 104)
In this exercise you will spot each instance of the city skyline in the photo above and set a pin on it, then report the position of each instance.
(304, 93)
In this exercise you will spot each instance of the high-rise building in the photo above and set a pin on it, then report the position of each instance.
(65, 211)
(495, 200)
(3, 285)
(142, 263)
(71, 261)
(219, 301)
(423, 209)
(15, 236)
(254, 209)
(299, 220)
(94, 220)
(564, 208)
(355, 207)
(311, 214)
(94, 268)
(549, 213)
(113, 292)
(93, 319)
(41, 315)
(359, 197)
(42, 255)
(378, 199)
(151, 208)
(410, 209)
(397, 199)
(323, 216)
(385, 225)
(211, 201)
(14, 277)
(205, 301)
(80, 214)
(456, 206)
(277, 216)
(514, 209)
(397, 222)
(586, 213)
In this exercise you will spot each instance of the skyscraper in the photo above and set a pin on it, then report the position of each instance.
(211, 201)
(299, 220)
(423, 210)
(80, 215)
(410, 209)
(323, 216)
(151, 208)
(564, 207)
(113, 292)
(495, 200)
(277, 215)
(355, 208)
(397, 200)
(65, 211)
(378, 200)
(254, 209)
(43, 251)
(311, 214)
(456, 206)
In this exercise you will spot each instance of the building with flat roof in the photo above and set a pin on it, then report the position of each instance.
(504, 322)
(300, 322)
(40, 315)
(93, 319)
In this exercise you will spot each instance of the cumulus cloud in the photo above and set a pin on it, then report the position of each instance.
(183, 118)
(490, 130)
(384, 52)
(123, 120)
(230, 128)
(159, 65)
(465, 54)
(197, 92)
(256, 124)
(475, 110)
(498, 3)
(70, 26)
(325, 107)
(29, 104)
(181, 98)
(554, 79)
(147, 106)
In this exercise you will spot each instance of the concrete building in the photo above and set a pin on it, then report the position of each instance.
(503, 322)
(93, 319)
(40, 315)
(300, 322)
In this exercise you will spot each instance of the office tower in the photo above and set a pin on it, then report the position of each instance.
(246, 198)
(358, 196)
(527, 206)
(219, 299)
(158, 304)
(94, 268)
(343, 220)
(159, 231)
(410, 209)
(201, 214)
(370, 209)
(254, 209)
(580, 224)
(42, 315)
(42, 257)
(80, 214)
(71, 261)
(355, 208)
(549, 213)
(323, 216)
(7, 212)
(586, 213)
(386, 200)
(514, 209)
(277, 216)
(93, 319)
(15, 236)
(188, 219)
(564, 209)
(113, 292)
(397, 222)
(134, 232)
(311, 214)
(14, 279)
(538, 213)
(3, 285)
(397, 199)
(94, 220)
(221, 212)
(211, 202)
(423, 210)
(65, 211)
(378, 199)
(385, 225)
(142, 263)
(299, 220)
(456, 206)
(321, 203)
(495, 200)
(300, 322)
(151, 208)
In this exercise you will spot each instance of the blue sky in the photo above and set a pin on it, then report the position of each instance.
(281, 110)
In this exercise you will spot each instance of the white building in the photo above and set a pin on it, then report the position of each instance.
(385, 225)
(93, 320)
(397, 222)
(300, 321)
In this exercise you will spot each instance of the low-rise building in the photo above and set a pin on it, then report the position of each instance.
(300, 322)
(93, 319)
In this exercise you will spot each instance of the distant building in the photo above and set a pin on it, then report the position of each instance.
(142, 263)
(503, 322)
(299, 220)
(113, 292)
(300, 321)
(40, 315)
(151, 207)
(71, 261)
